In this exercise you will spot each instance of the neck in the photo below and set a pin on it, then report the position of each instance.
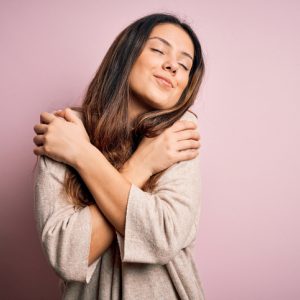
(136, 106)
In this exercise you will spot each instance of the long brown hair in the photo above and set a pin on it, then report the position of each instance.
(107, 98)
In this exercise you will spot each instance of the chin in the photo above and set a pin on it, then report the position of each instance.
(158, 105)
(160, 102)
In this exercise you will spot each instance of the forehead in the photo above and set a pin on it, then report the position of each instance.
(175, 35)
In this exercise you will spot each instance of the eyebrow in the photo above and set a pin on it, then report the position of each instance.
(169, 45)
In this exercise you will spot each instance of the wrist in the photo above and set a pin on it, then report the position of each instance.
(136, 172)
(82, 154)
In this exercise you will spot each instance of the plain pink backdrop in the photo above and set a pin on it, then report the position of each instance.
(248, 239)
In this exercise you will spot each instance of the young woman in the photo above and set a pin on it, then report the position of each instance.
(117, 185)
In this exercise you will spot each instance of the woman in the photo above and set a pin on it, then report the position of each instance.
(117, 183)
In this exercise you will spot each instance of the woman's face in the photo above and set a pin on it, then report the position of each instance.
(161, 72)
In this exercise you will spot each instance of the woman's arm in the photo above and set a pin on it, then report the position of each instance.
(72, 239)
(64, 230)
(168, 219)
(158, 225)
(102, 231)
(69, 143)
(110, 191)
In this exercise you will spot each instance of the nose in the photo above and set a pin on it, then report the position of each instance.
(170, 66)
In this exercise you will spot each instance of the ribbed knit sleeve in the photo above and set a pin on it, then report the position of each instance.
(64, 230)
(160, 224)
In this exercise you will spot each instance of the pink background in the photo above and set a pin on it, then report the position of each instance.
(248, 240)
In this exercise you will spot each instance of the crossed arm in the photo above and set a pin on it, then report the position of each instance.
(110, 191)
(159, 224)
(102, 230)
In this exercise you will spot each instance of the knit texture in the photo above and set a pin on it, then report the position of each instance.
(153, 260)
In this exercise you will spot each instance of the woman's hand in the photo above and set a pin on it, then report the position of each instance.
(60, 136)
(176, 143)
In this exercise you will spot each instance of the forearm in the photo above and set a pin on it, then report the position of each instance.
(135, 172)
(102, 234)
(102, 231)
(109, 187)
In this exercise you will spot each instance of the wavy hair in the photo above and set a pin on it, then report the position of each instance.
(108, 95)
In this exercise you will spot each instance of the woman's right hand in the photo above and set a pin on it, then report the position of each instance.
(177, 143)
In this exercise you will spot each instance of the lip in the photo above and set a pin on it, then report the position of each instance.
(167, 82)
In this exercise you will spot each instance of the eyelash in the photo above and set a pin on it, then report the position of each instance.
(153, 49)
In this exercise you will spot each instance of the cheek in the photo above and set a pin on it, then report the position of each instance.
(133, 77)
(183, 84)
(143, 62)
(138, 72)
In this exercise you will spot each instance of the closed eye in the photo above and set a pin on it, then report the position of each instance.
(184, 67)
(153, 49)
(156, 50)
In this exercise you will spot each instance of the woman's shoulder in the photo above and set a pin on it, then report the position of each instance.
(46, 165)
(182, 171)
(190, 115)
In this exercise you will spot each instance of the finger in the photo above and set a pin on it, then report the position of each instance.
(71, 116)
(38, 150)
(46, 118)
(187, 144)
(188, 134)
(187, 154)
(182, 125)
(40, 128)
(59, 113)
(39, 139)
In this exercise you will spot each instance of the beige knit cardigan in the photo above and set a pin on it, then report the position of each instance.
(153, 260)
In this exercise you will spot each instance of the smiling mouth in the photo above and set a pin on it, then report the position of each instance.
(163, 82)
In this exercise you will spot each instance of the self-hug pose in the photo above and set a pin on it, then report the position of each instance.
(117, 183)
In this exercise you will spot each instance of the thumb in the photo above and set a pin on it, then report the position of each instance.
(71, 116)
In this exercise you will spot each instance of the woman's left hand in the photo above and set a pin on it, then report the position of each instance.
(60, 136)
